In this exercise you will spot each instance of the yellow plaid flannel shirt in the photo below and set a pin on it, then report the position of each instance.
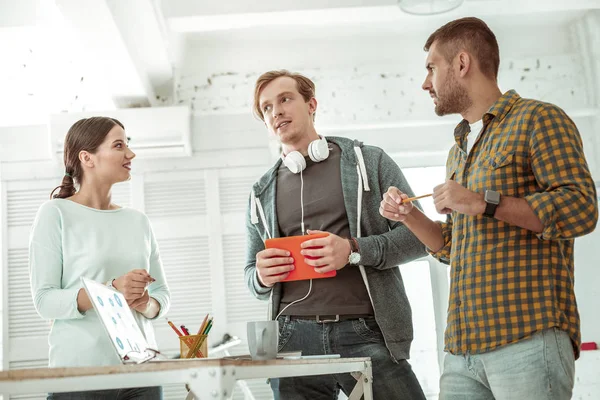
(508, 282)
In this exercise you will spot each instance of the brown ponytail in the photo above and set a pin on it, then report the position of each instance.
(67, 188)
(85, 135)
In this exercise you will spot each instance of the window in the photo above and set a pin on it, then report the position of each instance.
(426, 291)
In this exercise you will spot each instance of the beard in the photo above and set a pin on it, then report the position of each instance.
(452, 98)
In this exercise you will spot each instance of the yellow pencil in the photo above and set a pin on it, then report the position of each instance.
(415, 198)
(202, 326)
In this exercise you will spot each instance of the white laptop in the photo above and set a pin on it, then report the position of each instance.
(119, 323)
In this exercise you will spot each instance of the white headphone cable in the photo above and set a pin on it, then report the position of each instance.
(295, 301)
(304, 233)
(302, 203)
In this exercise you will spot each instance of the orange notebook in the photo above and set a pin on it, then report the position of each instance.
(302, 271)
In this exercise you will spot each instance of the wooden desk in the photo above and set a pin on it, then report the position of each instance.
(207, 379)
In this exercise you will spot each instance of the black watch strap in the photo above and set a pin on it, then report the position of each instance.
(490, 210)
(492, 200)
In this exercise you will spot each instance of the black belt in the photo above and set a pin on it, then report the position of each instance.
(323, 319)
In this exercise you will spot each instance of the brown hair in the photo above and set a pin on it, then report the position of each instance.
(473, 35)
(305, 87)
(85, 135)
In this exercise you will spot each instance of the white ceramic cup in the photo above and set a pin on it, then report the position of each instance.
(263, 339)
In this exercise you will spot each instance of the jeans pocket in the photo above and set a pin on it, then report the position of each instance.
(565, 353)
(367, 329)
(285, 331)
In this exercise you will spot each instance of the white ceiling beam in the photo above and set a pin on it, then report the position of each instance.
(185, 8)
(122, 41)
(148, 46)
(185, 16)
(104, 50)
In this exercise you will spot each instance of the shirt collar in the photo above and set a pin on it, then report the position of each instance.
(498, 111)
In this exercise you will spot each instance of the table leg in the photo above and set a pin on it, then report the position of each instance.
(368, 381)
(358, 390)
(363, 384)
(214, 383)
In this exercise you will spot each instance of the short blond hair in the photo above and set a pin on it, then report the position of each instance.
(305, 87)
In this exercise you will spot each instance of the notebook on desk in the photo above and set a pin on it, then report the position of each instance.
(119, 323)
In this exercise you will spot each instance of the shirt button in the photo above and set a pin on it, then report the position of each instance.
(458, 269)
(458, 303)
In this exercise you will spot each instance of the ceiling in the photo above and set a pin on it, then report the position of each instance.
(77, 55)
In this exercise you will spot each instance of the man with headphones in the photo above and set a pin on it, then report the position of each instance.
(331, 185)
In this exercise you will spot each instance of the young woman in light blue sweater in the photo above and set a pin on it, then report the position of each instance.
(82, 233)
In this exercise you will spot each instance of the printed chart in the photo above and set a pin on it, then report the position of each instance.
(117, 318)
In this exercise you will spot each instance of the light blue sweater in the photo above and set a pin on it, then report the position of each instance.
(68, 241)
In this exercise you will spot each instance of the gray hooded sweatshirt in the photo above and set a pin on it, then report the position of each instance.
(367, 172)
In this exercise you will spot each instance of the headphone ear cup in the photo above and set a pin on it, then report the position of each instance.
(318, 150)
(295, 162)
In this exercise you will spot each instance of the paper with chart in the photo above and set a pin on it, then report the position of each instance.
(117, 318)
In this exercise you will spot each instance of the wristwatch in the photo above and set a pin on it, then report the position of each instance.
(492, 199)
(110, 284)
(354, 257)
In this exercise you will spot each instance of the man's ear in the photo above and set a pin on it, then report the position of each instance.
(86, 159)
(312, 106)
(464, 63)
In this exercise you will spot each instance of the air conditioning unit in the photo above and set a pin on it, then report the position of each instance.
(154, 131)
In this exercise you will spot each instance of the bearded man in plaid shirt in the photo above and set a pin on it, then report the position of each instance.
(518, 191)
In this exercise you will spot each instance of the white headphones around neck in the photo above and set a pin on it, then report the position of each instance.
(318, 151)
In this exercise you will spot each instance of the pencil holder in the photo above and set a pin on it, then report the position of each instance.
(193, 346)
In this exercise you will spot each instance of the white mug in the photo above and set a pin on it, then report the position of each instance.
(263, 339)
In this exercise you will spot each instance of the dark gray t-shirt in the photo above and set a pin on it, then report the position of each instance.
(324, 210)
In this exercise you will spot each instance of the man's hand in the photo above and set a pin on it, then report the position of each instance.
(133, 284)
(273, 265)
(331, 252)
(451, 196)
(391, 206)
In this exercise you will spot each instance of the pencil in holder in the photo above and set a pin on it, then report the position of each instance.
(193, 346)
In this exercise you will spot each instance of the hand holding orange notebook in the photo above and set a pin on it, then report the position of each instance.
(301, 271)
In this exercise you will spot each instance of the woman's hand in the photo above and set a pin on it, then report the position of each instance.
(133, 284)
(146, 305)
(140, 304)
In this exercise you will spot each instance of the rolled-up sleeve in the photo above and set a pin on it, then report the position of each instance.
(567, 204)
(443, 254)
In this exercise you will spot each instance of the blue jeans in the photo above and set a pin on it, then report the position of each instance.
(539, 367)
(352, 338)
(143, 393)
